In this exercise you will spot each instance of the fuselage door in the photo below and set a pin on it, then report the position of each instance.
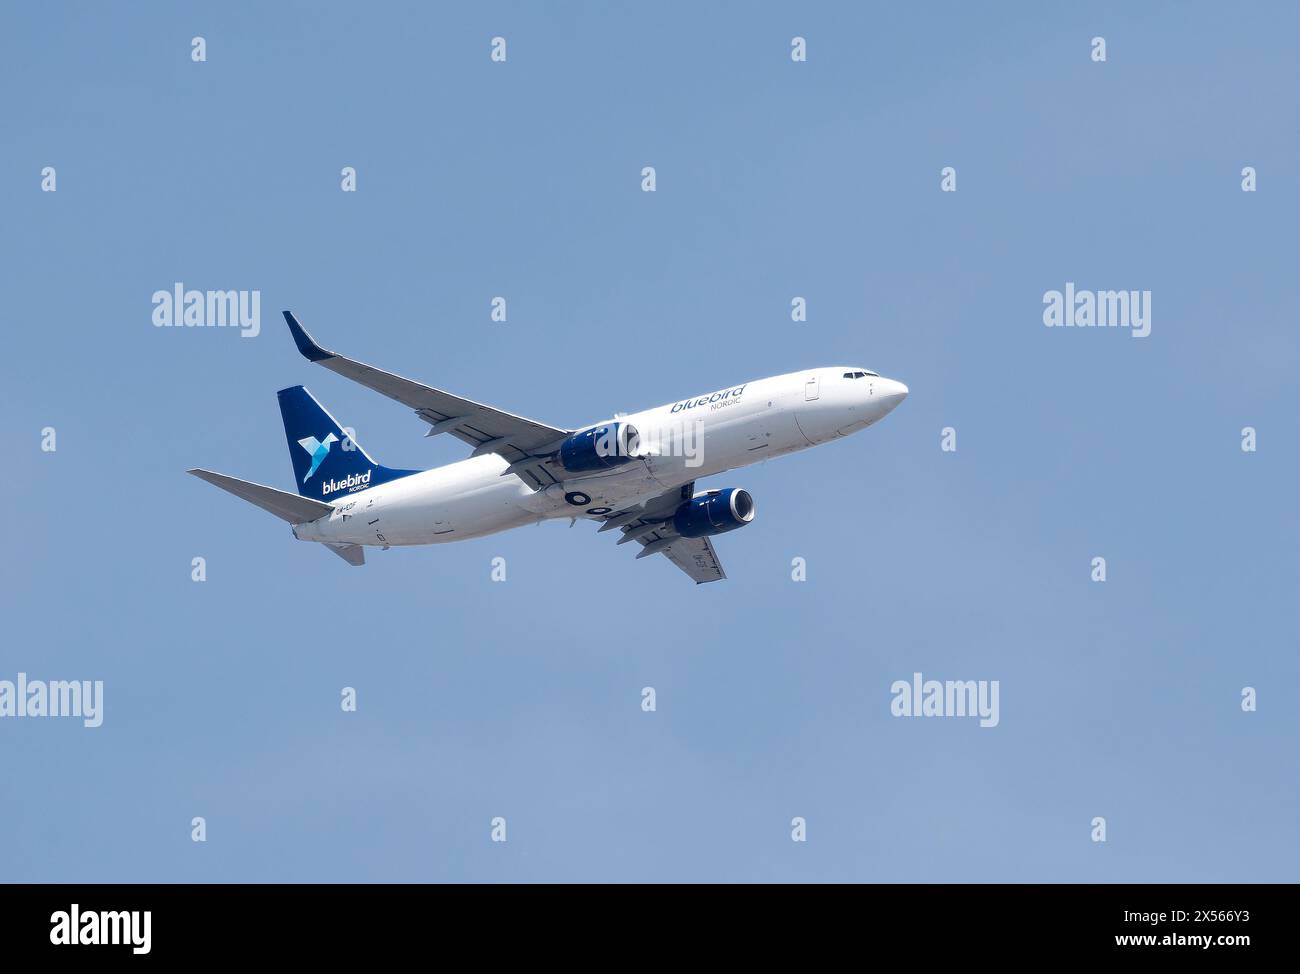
(810, 389)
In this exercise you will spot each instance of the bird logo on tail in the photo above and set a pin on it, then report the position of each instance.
(318, 450)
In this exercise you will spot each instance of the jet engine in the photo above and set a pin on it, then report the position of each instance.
(600, 448)
(714, 512)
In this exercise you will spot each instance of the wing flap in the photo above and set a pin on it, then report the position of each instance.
(696, 557)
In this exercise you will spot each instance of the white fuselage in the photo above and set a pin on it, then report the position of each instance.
(680, 442)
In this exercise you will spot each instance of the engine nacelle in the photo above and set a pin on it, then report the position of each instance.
(715, 512)
(611, 445)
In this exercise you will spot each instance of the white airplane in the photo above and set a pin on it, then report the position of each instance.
(634, 473)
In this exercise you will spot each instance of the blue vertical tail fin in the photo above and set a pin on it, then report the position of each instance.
(327, 463)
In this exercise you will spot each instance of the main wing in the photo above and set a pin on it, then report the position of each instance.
(488, 430)
(651, 525)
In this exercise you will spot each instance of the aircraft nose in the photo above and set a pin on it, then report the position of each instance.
(891, 392)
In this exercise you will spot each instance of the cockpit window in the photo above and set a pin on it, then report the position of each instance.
(860, 375)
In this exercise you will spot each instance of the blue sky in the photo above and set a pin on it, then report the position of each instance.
(775, 179)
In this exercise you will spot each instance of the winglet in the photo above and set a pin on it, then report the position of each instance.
(306, 344)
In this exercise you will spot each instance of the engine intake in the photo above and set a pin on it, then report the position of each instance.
(714, 512)
(611, 445)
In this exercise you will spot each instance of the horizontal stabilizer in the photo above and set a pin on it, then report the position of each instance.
(353, 554)
(286, 506)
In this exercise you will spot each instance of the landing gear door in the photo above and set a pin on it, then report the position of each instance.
(810, 389)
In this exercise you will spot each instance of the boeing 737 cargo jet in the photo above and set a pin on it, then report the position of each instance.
(636, 474)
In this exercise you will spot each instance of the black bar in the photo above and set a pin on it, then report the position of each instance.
(337, 923)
